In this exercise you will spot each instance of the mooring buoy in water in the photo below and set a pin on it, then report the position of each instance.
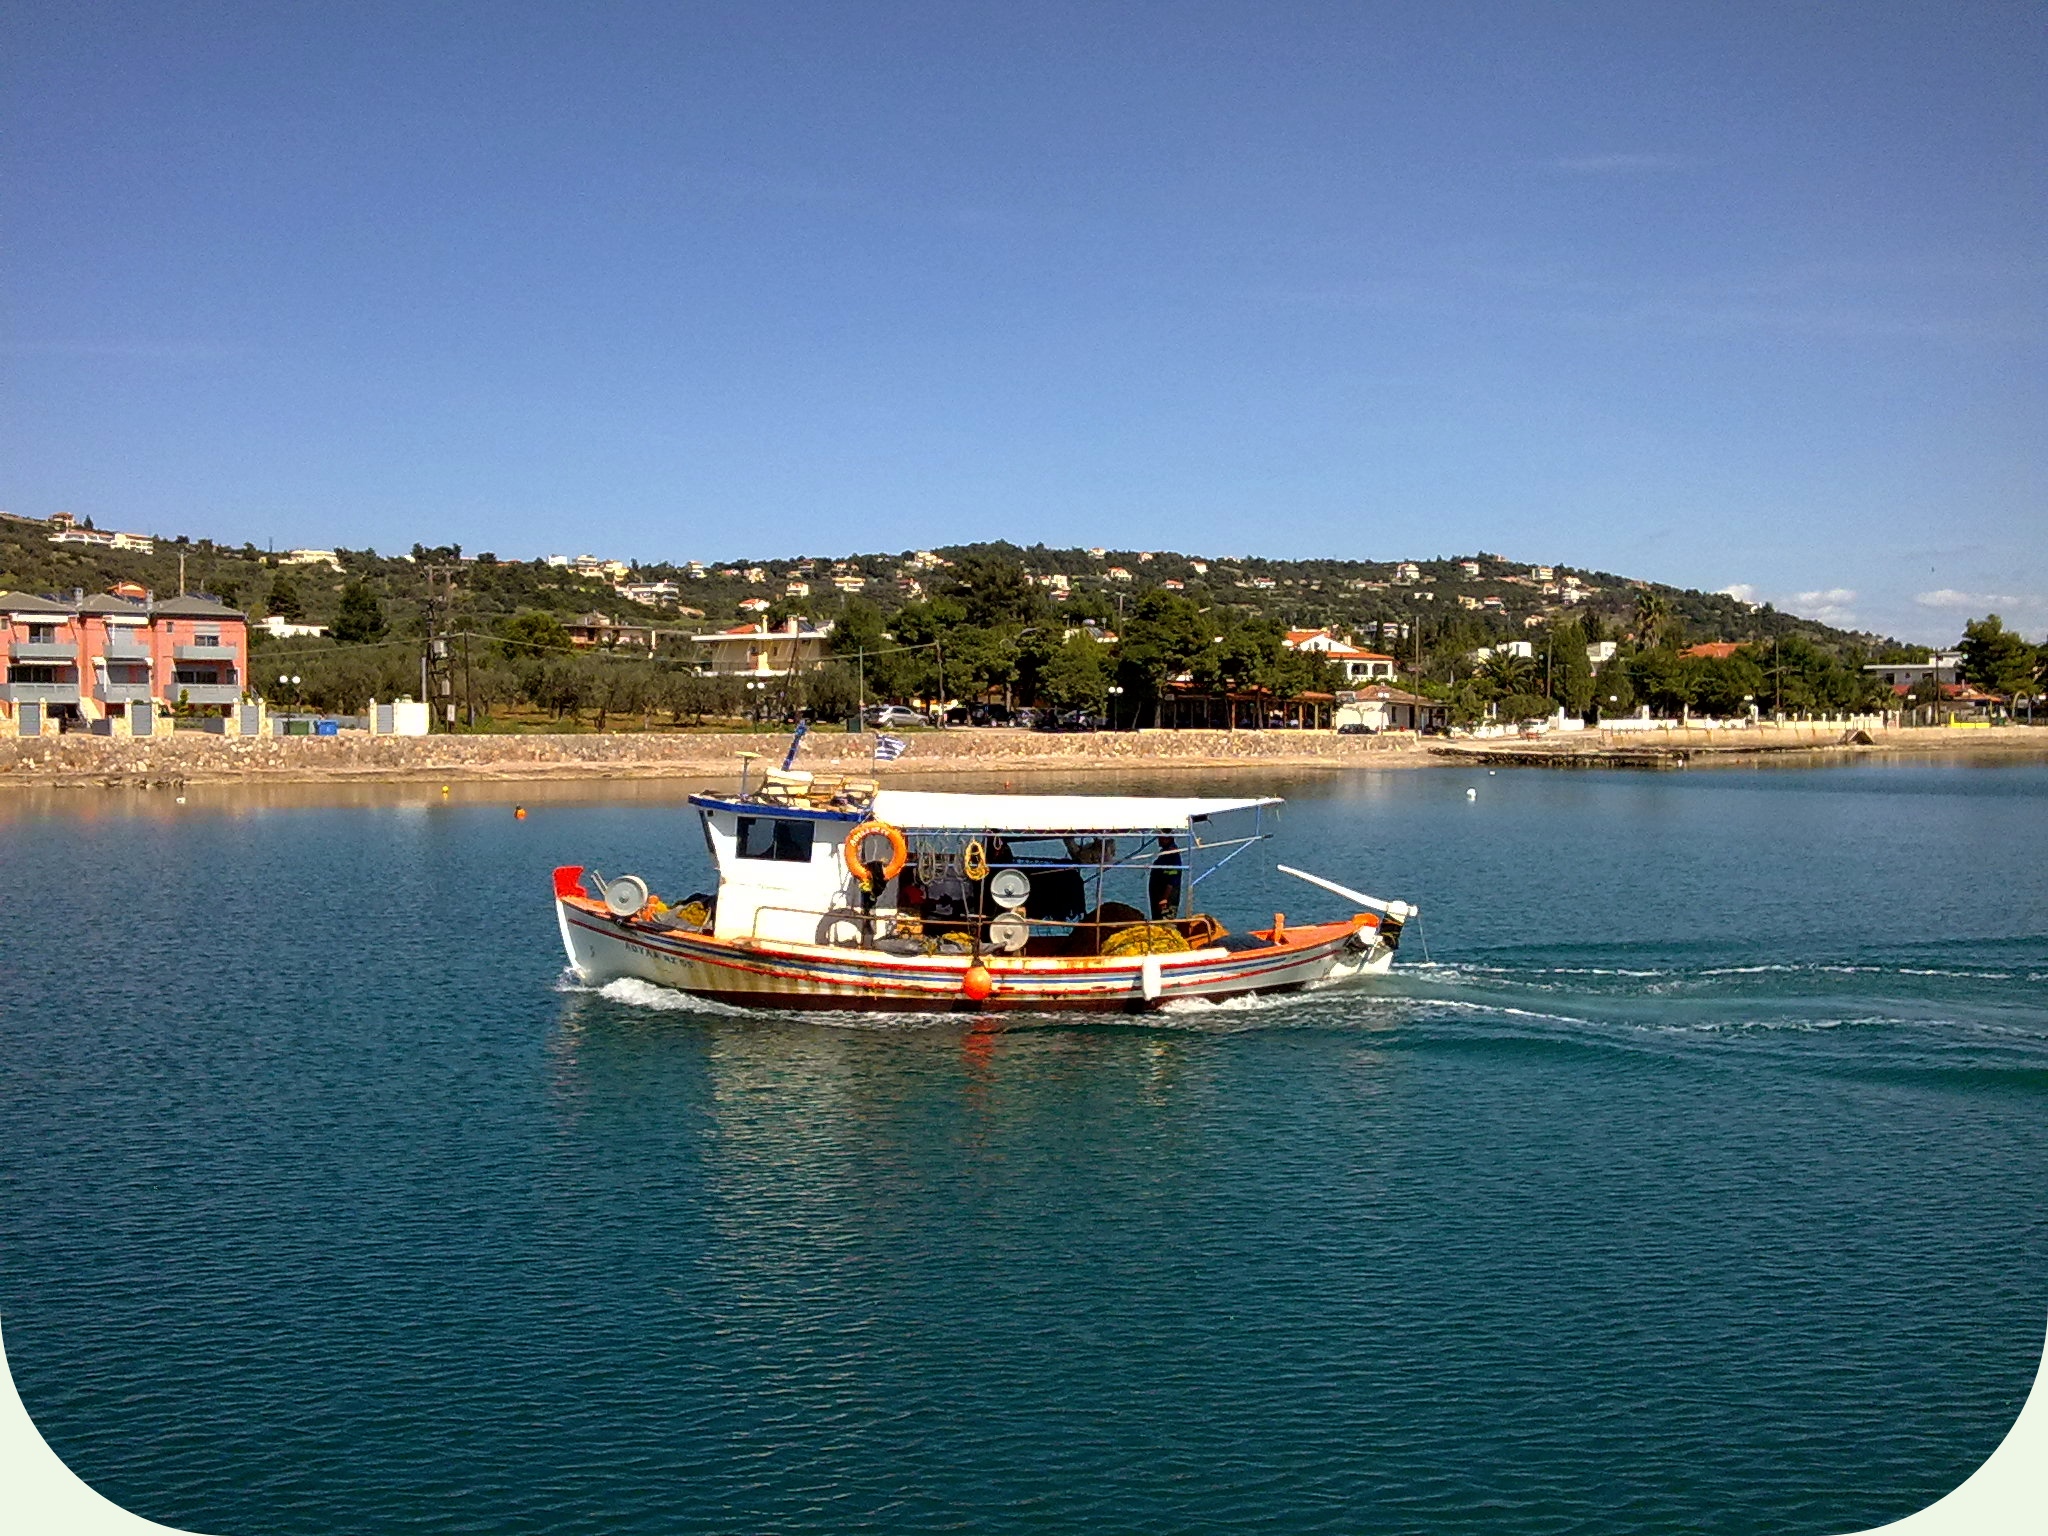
(1471, 794)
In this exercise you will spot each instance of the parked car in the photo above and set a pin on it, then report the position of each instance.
(1070, 720)
(888, 716)
(1356, 729)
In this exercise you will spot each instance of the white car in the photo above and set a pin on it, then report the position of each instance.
(889, 715)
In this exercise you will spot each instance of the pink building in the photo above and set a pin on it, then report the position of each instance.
(108, 663)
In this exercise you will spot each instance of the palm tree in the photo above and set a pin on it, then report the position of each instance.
(1652, 611)
(1507, 673)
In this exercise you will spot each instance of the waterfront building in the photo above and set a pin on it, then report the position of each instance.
(1903, 676)
(1385, 708)
(1184, 707)
(284, 629)
(652, 594)
(141, 543)
(111, 664)
(755, 650)
(600, 631)
(1355, 664)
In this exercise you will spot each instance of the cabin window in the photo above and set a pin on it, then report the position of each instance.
(771, 837)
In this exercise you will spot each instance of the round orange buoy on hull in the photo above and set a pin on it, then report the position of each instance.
(977, 984)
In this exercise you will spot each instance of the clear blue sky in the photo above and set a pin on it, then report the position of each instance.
(1718, 293)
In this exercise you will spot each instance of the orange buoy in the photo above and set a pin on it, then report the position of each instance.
(519, 813)
(977, 984)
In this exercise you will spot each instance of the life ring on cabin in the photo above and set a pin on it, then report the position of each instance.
(974, 860)
(899, 850)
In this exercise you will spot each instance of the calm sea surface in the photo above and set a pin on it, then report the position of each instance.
(1694, 1181)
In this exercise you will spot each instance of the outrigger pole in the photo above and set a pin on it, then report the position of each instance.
(1399, 910)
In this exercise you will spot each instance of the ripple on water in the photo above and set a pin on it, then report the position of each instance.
(340, 1226)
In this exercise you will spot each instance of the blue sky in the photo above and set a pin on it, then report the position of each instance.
(1721, 294)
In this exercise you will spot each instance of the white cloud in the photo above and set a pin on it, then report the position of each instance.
(1828, 607)
(1949, 597)
(1742, 592)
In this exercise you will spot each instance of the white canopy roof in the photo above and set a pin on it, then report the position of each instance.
(936, 812)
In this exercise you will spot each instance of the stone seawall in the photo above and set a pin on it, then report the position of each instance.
(197, 758)
(193, 757)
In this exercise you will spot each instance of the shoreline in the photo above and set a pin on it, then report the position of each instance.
(192, 759)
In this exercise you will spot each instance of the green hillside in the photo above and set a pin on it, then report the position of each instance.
(1003, 613)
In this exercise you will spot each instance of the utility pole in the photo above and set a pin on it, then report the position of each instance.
(437, 675)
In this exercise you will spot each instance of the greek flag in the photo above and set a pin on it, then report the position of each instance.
(889, 748)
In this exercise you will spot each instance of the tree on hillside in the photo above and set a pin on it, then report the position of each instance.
(1077, 675)
(618, 688)
(1664, 681)
(994, 592)
(1160, 640)
(1571, 673)
(360, 619)
(531, 633)
(1995, 658)
(284, 600)
(1728, 687)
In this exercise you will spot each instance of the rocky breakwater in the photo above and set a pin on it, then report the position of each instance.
(197, 758)
(1680, 747)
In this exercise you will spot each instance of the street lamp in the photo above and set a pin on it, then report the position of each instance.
(1115, 692)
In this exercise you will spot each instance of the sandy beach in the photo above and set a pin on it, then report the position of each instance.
(193, 758)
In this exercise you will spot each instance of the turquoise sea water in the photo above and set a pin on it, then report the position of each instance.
(1694, 1181)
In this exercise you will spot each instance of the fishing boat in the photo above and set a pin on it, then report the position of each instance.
(833, 893)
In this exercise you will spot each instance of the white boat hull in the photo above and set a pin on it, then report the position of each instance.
(764, 974)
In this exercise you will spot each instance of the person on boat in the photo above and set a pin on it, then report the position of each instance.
(1162, 888)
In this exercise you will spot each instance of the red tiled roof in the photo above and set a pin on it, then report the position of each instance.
(1713, 650)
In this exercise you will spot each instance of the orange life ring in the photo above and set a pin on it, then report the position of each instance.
(899, 850)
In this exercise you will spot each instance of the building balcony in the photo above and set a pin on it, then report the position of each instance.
(126, 650)
(43, 650)
(39, 693)
(203, 693)
(122, 693)
(203, 653)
